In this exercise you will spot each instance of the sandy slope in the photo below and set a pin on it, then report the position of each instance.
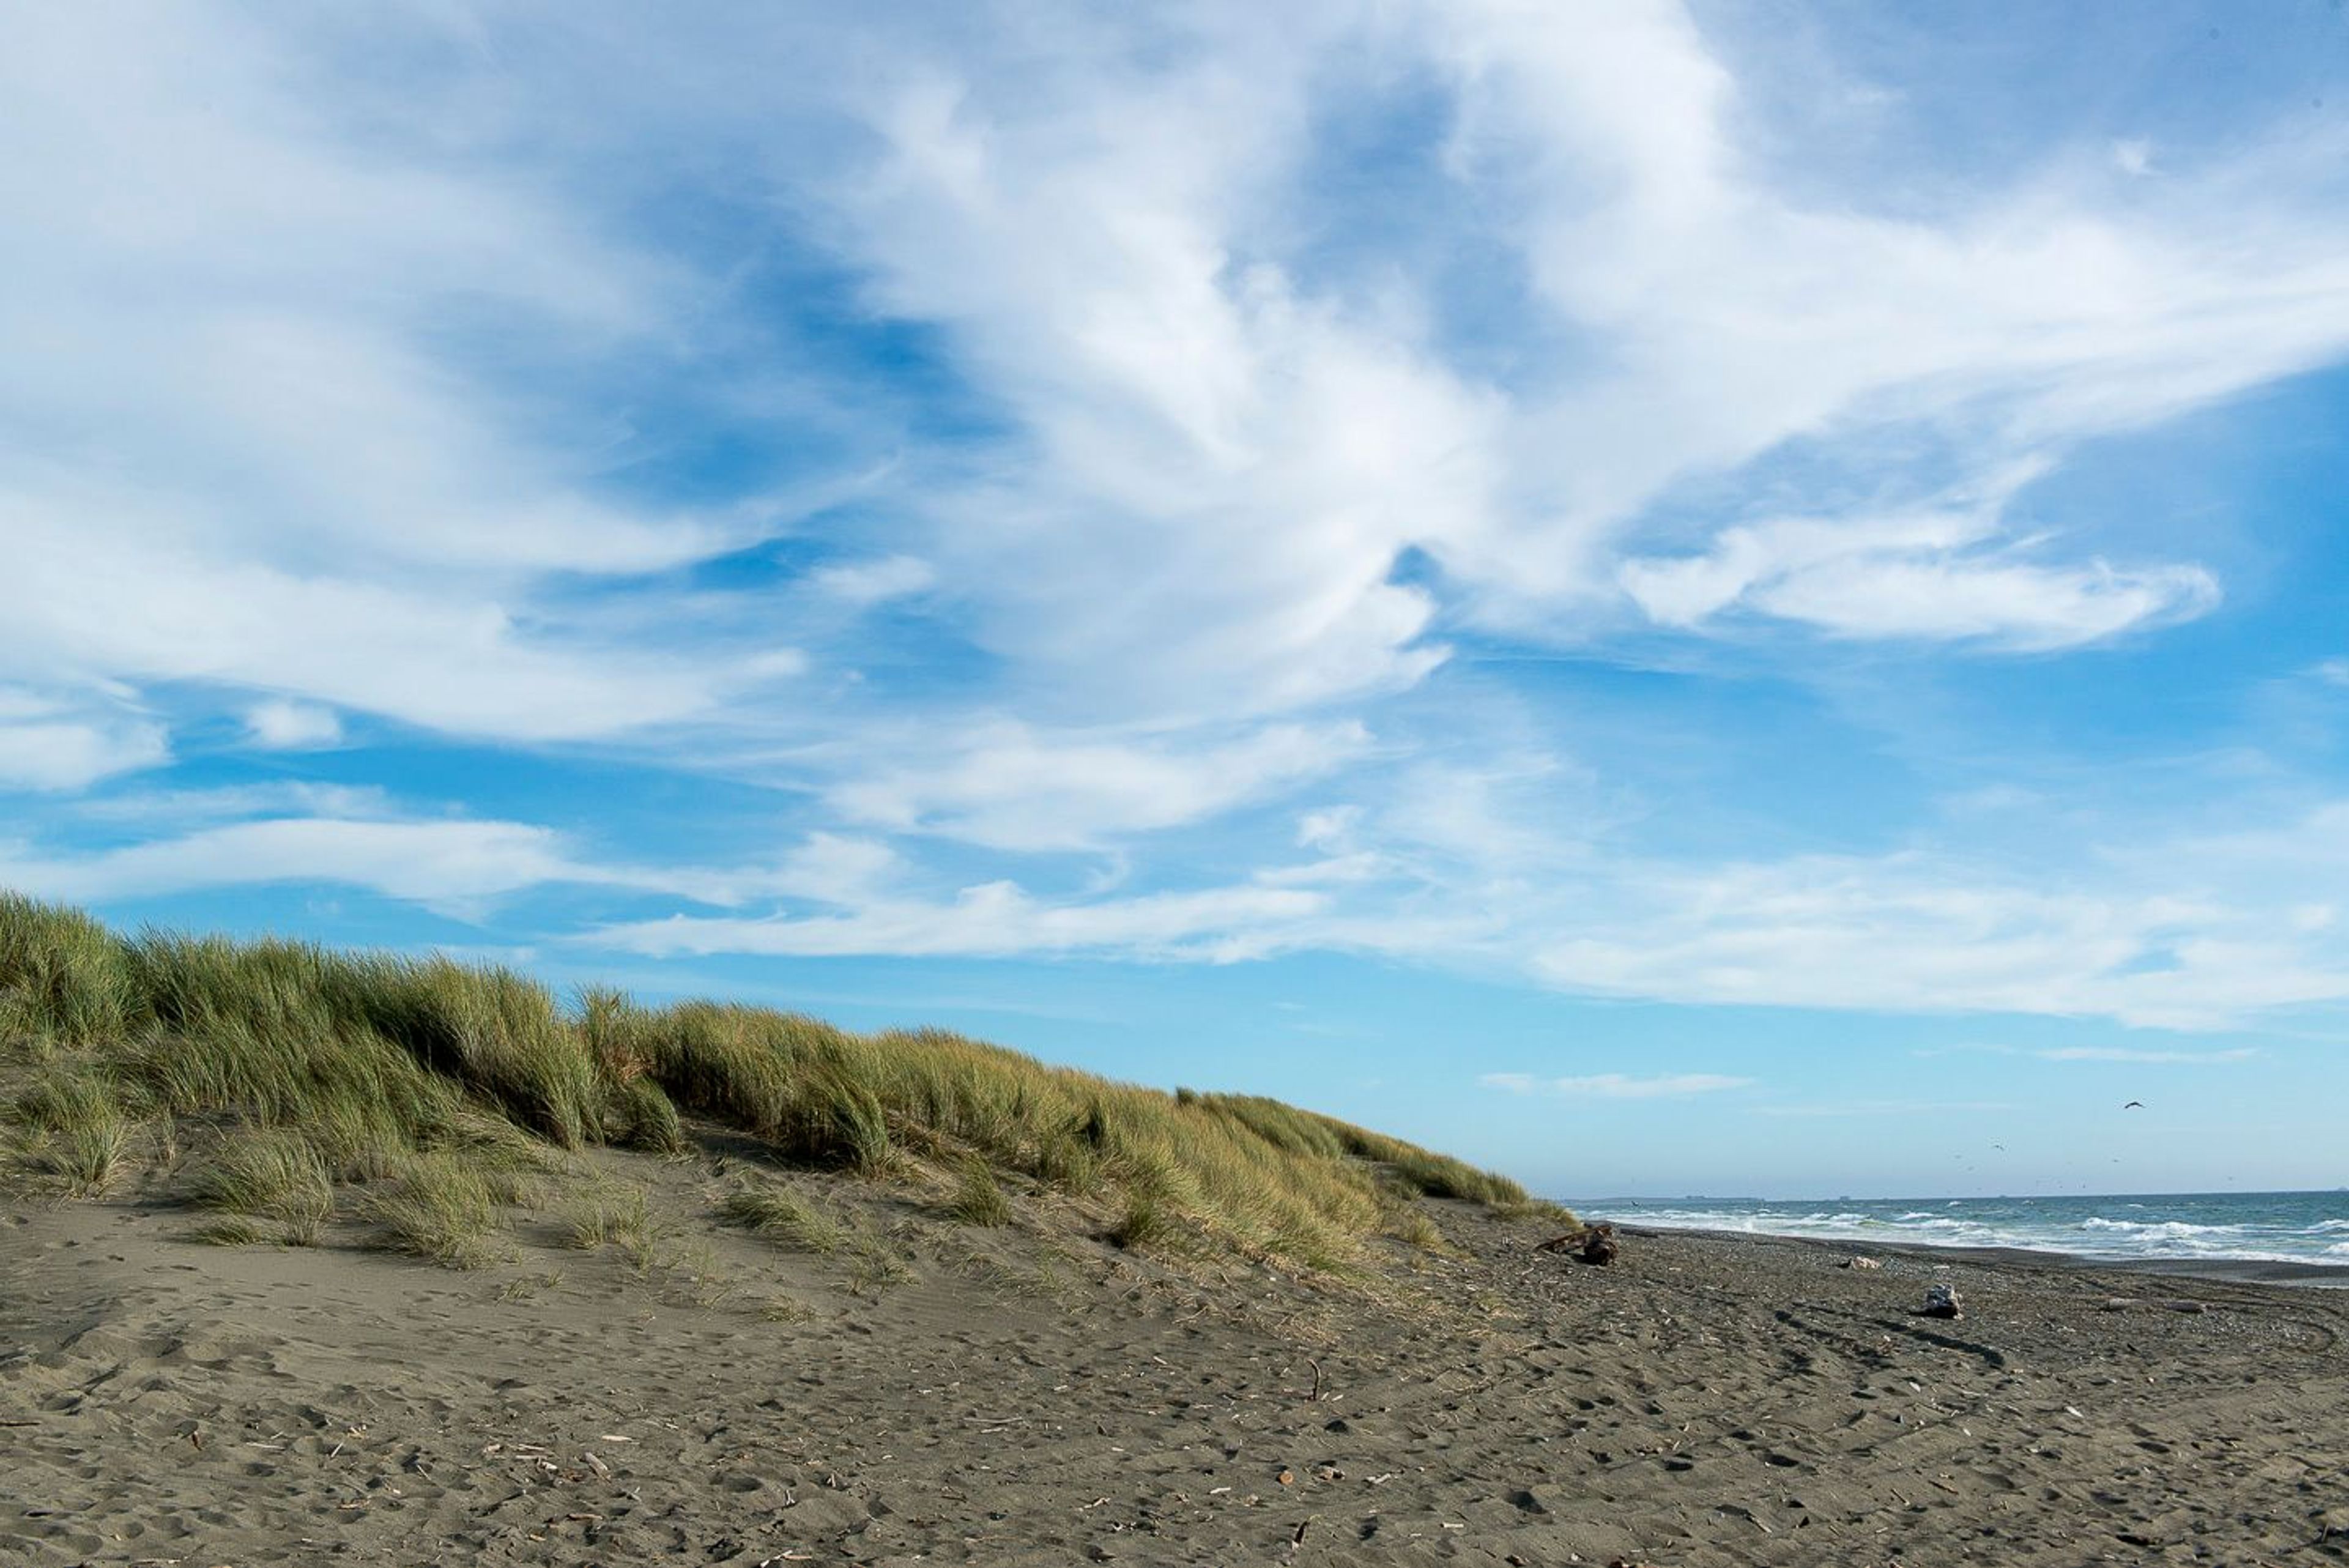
(1030, 1399)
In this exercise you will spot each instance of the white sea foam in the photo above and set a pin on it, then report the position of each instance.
(2246, 1227)
(2173, 1228)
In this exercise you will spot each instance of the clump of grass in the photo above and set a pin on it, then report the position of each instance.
(63, 977)
(71, 1127)
(269, 1173)
(858, 1129)
(234, 1230)
(783, 1217)
(1065, 1162)
(696, 1276)
(877, 1266)
(643, 1117)
(529, 1286)
(443, 1209)
(1141, 1223)
(89, 1157)
(616, 1217)
(72, 1095)
(978, 1197)
(1414, 1229)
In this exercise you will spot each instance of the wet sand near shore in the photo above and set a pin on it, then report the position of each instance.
(1028, 1397)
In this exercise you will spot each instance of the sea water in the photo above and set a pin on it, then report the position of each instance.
(2217, 1227)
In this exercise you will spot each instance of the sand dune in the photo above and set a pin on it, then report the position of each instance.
(1020, 1396)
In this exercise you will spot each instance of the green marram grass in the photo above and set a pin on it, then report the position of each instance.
(783, 1217)
(978, 1197)
(302, 1072)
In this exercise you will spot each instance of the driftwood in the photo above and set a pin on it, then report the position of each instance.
(1592, 1243)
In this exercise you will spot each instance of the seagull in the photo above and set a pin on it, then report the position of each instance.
(2134, 1106)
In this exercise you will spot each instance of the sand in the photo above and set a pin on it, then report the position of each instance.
(1027, 1396)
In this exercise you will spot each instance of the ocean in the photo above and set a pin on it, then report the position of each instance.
(2216, 1227)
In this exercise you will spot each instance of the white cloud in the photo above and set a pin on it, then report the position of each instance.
(456, 867)
(67, 754)
(1616, 1085)
(1742, 317)
(283, 726)
(999, 920)
(2141, 1057)
(434, 863)
(1872, 1109)
(118, 595)
(1928, 576)
(1219, 469)
(247, 439)
(1011, 786)
(872, 582)
(2015, 605)
(64, 742)
(163, 810)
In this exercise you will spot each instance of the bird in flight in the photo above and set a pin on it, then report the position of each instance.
(2134, 1106)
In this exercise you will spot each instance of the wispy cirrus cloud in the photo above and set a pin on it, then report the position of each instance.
(1923, 578)
(1874, 1108)
(2143, 1057)
(1016, 786)
(999, 920)
(1616, 1085)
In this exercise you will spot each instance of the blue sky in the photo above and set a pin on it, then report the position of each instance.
(1732, 598)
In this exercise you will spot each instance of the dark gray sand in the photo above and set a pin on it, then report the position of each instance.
(1030, 1397)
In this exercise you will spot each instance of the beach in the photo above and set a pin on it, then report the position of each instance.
(1020, 1396)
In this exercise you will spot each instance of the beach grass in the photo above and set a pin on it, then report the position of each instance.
(783, 1217)
(979, 1198)
(268, 1173)
(453, 1091)
(445, 1208)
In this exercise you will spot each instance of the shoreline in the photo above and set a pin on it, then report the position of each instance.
(2239, 1270)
